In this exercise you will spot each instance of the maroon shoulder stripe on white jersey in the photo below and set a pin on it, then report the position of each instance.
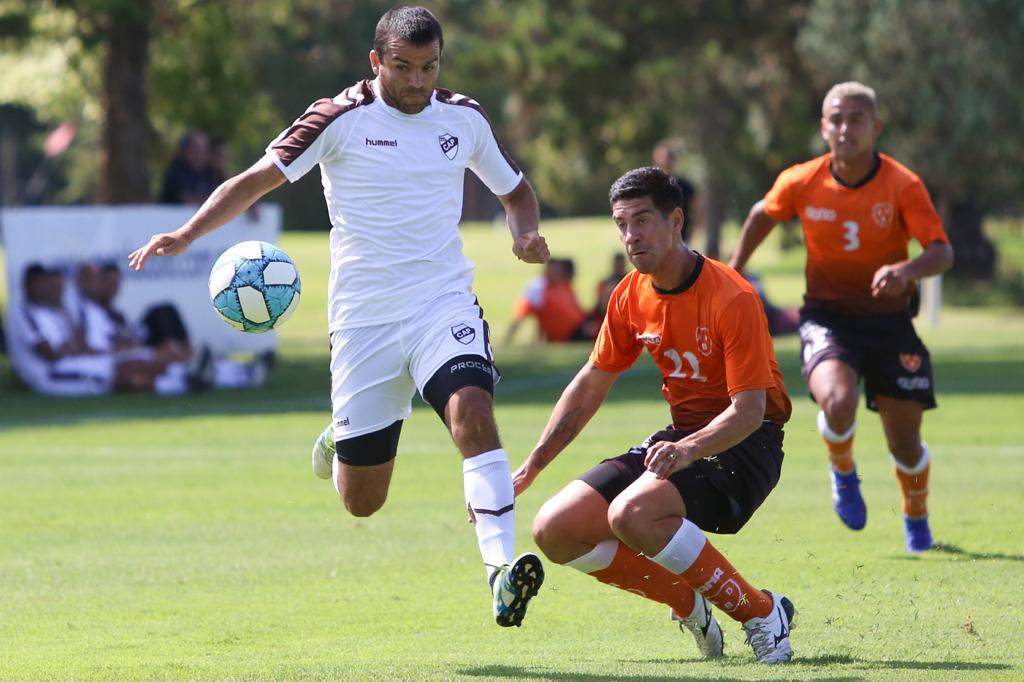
(315, 120)
(449, 97)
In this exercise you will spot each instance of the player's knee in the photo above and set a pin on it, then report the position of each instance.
(551, 534)
(840, 405)
(362, 506)
(625, 520)
(471, 418)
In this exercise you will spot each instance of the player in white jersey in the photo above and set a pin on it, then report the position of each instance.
(392, 154)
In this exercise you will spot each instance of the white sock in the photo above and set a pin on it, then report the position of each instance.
(170, 383)
(487, 481)
(682, 549)
(334, 474)
(921, 465)
(597, 559)
(831, 436)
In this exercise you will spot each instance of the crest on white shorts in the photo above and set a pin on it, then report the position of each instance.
(464, 334)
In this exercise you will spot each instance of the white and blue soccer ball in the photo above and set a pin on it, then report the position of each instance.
(254, 286)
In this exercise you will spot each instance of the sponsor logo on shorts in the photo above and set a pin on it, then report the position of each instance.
(704, 340)
(649, 339)
(823, 214)
(882, 213)
(380, 143)
(914, 383)
(910, 361)
(449, 145)
(464, 334)
(341, 422)
(470, 364)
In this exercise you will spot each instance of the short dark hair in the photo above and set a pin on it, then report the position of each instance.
(413, 25)
(651, 182)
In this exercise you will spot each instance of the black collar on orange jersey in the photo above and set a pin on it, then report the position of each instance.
(863, 181)
(689, 280)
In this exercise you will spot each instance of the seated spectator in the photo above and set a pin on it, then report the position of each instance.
(50, 352)
(188, 179)
(607, 285)
(553, 302)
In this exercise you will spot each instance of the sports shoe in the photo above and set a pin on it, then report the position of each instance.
(847, 500)
(514, 586)
(704, 628)
(918, 534)
(323, 453)
(769, 636)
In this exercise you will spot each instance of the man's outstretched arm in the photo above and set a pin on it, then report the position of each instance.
(523, 215)
(578, 403)
(226, 203)
(756, 227)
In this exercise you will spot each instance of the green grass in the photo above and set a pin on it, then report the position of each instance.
(185, 538)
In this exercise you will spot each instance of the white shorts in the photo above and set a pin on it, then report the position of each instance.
(375, 371)
(75, 375)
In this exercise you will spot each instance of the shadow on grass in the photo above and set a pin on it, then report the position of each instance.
(958, 552)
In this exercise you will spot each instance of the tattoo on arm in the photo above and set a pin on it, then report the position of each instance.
(559, 437)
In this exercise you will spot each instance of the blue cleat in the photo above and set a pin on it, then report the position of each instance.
(847, 500)
(919, 535)
(514, 586)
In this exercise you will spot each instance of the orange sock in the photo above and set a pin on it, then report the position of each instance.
(840, 446)
(636, 573)
(914, 485)
(713, 576)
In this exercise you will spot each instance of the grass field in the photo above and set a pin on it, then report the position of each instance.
(186, 538)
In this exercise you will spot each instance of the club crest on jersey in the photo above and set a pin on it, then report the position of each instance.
(882, 213)
(910, 361)
(449, 144)
(464, 334)
(704, 340)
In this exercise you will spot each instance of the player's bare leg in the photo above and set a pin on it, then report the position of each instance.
(834, 385)
(572, 528)
(363, 489)
(487, 478)
(650, 517)
(901, 420)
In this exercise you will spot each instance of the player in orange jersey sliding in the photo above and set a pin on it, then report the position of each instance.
(859, 209)
(637, 521)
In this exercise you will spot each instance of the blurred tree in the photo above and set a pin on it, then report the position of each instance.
(946, 73)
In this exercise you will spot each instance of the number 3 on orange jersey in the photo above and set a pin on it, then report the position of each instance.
(852, 241)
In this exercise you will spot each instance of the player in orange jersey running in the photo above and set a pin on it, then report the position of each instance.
(637, 521)
(859, 209)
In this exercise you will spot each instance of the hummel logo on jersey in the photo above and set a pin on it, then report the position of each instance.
(649, 339)
(464, 334)
(783, 628)
(449, 144)
(380, 143)
(824, 214)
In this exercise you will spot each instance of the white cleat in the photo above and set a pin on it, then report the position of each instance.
(769, 636)
(702, 625)
(323, 453)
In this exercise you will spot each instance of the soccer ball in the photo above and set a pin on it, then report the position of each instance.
(254, 286)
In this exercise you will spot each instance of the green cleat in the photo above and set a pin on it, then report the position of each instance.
(514, 586)
(323, 453)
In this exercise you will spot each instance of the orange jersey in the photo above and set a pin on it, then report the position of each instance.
(850, 232)
(558, 311)
(709, 338)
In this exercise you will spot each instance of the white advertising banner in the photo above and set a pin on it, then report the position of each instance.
(63, 237)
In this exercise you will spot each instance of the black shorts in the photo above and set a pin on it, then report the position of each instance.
(721, 492)
(884, 349)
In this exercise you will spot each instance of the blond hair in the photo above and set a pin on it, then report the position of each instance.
(851, 89)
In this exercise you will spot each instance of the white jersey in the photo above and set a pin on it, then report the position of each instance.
(393, 185)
